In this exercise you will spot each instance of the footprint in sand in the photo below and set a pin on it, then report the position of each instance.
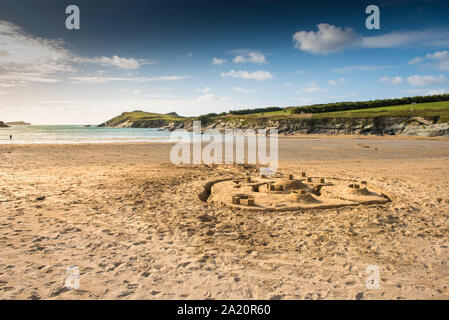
(58, 292)
(124, 294)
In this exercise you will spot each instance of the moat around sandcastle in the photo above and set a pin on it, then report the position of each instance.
(292, 192)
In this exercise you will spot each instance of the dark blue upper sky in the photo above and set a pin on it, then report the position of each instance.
(176, 42)
(161, 26)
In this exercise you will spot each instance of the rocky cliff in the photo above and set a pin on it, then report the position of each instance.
(406, 125)
(412, 126)
(3, 125)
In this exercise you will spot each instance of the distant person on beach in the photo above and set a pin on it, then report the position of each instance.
(10, 137)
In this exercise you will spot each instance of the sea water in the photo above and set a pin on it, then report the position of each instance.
(80, 134)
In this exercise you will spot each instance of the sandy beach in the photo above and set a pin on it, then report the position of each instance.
(133, 224)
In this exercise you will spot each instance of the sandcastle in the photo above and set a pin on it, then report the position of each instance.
(290, 192)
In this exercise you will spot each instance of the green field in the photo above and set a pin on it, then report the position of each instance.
(431, 109)
(272, 113)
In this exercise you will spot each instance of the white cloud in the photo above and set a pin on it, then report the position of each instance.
(438, 55)
(438, 60)
(137, 91)
(218, 61)
(327, 39)
(361, 68)
(430, 37)
(416, 60)
(57, 102)
(436, 92)
(393, 80)
(259, 75)
(183, 56)
(342, 97)
(26, 59)
(6, 85)
(312, 87)
(287, 84)
(116, 61)
(211, 97)
(422, 81)
(330, 39)
(206, 89)
(251, 57)
(306, 101)
(241, 90)
(12, 79)
(315, 89)
(337, 82)
(426, 92)
(416, 92)
(103, 80)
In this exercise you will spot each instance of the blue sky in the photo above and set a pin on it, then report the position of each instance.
(196, 57)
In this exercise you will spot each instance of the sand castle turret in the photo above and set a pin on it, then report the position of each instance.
(303, 196)
(356, 189)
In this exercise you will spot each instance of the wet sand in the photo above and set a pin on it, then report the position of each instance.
(133, 224)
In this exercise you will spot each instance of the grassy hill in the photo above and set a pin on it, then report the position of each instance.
(142, 119)
(142, 115)
(425, 110)
(18, 123)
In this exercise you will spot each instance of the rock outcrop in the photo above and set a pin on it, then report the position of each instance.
(3, 125)
(410, 126)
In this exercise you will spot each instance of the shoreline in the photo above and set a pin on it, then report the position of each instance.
(281, 137)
